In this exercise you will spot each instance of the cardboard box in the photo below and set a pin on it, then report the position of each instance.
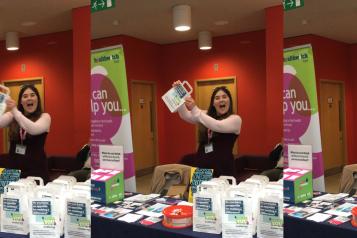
(107, 186)
(297, 185)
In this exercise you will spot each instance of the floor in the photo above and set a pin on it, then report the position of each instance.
(332, 183)
(143, 183)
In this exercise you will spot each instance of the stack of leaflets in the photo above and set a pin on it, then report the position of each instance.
(305, 212)
(343, 210)
(142, 198)
(328, 197)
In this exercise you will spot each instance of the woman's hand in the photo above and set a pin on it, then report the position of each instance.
(190, 103)
(10, 103)
(176, 83)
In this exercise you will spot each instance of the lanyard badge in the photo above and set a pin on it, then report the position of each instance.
(21, 148)
(209, 146)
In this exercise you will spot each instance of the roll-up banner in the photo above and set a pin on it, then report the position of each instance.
(110, 113)
(300, 107)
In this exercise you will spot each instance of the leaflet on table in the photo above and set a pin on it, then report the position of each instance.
(342, 210)
(14, 214)
(78, 218)
(328, 197)
(305, 212)
(288, 210)
(321, 205)
(154, 210)
(135, 206)
(352, 199)
(168, 200)
(319, 217)
(338, 220)
(142, 198)
(44, 218)
(114, 214)
(130, 217)
(150, 221)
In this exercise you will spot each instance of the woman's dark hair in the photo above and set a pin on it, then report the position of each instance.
(212, 110)
(38, 110)
(14, 126)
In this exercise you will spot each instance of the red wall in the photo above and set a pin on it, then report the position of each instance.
(333, 62)
(81, 76)
(353, 77)
(48, 56)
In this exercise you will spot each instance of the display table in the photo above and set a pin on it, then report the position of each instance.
(302, 228)
(9, 235)
(108, 228)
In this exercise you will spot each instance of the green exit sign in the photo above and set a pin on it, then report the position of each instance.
(292, 4)
(100, 5)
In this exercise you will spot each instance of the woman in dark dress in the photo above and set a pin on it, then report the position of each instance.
(28, 129)
(219, 129)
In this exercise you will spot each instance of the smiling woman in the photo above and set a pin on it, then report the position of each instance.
(219, 129)
(28, 129)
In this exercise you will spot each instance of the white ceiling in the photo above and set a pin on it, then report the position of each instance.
(152, 19)
(50, 15)
(334, 19)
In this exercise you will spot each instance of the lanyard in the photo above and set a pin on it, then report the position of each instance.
(209, 135)
(22, 135)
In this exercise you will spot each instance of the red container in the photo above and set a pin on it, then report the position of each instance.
(177, 217)
(354, 217)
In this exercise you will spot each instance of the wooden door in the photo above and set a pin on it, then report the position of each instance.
(144, 126)
(15, 86)
(203, 92)
(332, 125)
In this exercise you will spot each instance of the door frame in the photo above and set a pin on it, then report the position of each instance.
(153, 84)
(343, 120)
(21, 81)
(227, 78)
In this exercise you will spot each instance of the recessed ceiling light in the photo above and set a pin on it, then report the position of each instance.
(221, 23)
(28, 23)
(115, 23)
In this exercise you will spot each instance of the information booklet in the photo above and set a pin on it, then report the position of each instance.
(198, 175)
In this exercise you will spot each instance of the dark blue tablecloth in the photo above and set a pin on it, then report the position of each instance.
(9, 235)
(301, 228)
(107, 228)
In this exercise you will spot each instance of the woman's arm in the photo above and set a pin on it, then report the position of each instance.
(187, 115)
(6, 119)
(34, 128)
(231, 124)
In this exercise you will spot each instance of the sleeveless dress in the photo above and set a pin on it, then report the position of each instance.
(221, 159)
(34, 161)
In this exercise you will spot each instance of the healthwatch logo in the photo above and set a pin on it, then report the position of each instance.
(114, 57)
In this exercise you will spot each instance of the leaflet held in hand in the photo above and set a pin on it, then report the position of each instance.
(175, 97)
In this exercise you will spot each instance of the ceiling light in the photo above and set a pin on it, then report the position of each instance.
(12, 40)
(221, 23)
(181, 17)
(204, 40)
(115, 23)
(28, 23)
(304, 22)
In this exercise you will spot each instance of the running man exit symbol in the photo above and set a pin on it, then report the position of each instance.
(292, 4)
(100, 5)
